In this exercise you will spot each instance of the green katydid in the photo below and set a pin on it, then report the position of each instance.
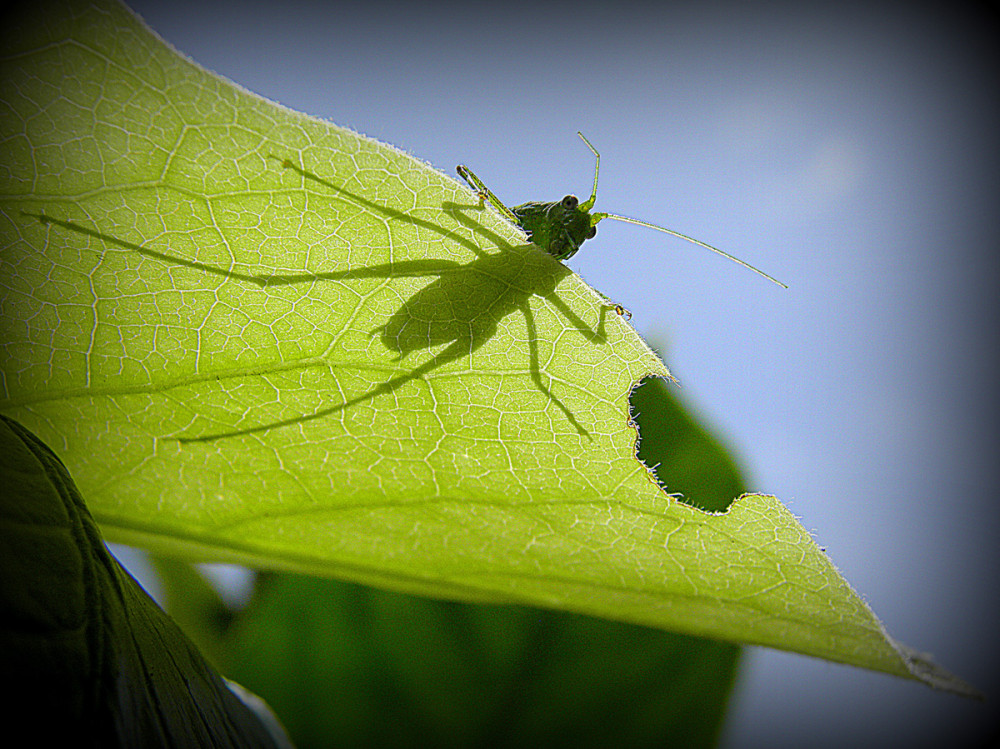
(561, 227)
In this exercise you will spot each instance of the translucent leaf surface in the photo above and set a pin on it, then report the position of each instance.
(352, 665)
(256, 336)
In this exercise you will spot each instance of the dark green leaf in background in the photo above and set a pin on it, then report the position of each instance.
(687, 460)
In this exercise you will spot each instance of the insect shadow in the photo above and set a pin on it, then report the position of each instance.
(461, 309)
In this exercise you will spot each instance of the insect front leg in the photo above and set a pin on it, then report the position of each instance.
(622, 312)
(619, 310)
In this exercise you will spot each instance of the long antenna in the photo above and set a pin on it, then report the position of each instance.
(589, 203)
(595, 217)
(599, 216)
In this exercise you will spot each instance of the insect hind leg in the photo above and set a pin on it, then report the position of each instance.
(485, 194)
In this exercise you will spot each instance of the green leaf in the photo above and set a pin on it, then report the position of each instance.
(259, 337)
(357, 666)
(87, 653)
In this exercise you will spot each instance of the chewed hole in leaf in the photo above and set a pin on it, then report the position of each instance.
(686, 460)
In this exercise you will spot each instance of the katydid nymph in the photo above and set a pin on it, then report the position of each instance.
(561, 227)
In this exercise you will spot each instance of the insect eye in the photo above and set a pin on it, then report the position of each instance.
(570, 202)
(592, 232)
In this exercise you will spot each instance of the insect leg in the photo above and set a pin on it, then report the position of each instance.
(622, 312)
(484, 193)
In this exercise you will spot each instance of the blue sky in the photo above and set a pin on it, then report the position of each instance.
(848, 149)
